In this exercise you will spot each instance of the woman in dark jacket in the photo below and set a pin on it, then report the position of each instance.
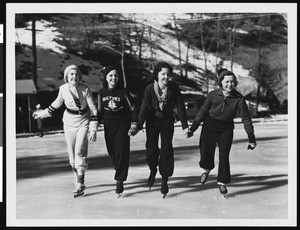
(116, 108)
(157, 109)
(217, 114)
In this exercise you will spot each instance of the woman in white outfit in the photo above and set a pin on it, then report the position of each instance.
(79, 122)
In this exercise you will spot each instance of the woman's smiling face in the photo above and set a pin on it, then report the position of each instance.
(228, 83)
(112, 79)
(73, 77)
(164, 76)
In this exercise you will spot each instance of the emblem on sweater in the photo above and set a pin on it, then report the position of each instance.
(112, 105)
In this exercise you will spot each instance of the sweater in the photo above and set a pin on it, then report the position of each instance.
(117, 103)
(85, 99)
(225, 110)
(150, 108)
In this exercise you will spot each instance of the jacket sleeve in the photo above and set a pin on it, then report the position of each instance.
(246, 120)
(100, 107)
(144, 108)
(91, 103)
(202, 113)
(57, 103)
(94, 112)
(131, 106)
(181, 109)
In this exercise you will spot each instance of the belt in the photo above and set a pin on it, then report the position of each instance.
(78, 112)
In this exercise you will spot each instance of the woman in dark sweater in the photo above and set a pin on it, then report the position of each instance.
(119, 115)
(217, 114)
(157, 109)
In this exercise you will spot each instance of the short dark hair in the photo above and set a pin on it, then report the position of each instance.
(158, 67)
(106, 70)
(225, 72)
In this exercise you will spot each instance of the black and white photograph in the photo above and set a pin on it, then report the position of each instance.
(151, 114)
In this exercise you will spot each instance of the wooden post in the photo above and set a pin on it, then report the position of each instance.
(29, 114)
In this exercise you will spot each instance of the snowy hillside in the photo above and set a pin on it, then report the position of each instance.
(51, 58)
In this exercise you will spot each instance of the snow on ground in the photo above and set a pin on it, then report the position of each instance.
(161, 36)
(45, 37)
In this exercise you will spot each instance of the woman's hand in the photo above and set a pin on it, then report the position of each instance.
(41, 114)
(187, 133)
(133, 129)
(92, 136)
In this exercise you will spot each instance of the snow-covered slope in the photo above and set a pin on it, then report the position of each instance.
(52, 58)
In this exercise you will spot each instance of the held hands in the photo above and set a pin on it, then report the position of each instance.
(92, 136)
(133, 129)
(251, 146)
(187, 133)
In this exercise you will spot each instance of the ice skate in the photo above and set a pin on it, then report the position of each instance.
(119, 188)
(79, 190)
(223, 189)
(204, 177)
(151, 178)
(164, 188)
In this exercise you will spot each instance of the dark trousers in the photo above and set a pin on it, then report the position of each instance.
(164, 157)
(118, 147)
(208, 140)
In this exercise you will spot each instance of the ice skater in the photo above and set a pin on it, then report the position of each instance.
(119, 114)
(157, 108)
(39, 122)
(80, 122)
(217, 114)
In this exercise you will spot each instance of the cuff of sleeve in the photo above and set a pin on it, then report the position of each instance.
(93, 125)
(140, 126)
(194, 126)
(251, 138)
(45, 113)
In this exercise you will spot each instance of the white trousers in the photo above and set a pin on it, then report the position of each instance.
(77, 144)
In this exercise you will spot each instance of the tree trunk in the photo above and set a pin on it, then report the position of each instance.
(187, 59)
(34, 54)
(258, 74)
(232, 44)
(178, 42)
(204, 55)
(218, 43)
(122, 58)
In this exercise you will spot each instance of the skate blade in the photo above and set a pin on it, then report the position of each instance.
(77, 194)
(119, 195)
(164, 196)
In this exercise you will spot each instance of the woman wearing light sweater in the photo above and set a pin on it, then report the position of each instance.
(80, 122)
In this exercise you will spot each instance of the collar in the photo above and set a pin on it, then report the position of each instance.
(233, 93)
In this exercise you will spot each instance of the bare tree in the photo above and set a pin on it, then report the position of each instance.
(204, 51)
(178, 42)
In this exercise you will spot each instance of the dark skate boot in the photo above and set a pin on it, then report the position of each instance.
(223, 189)
(203, 177)
(79, 190)
(80, 187)
(164, 187)
(119, 188)
(151, 178)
